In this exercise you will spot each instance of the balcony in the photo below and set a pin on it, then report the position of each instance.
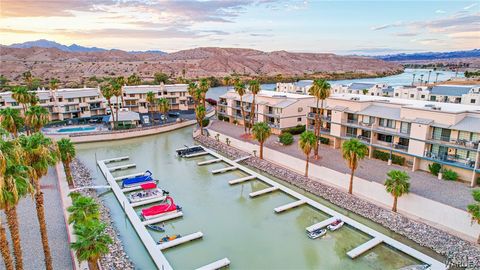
(456, 143)
(350, 135)
(352, 121)
(401, 147)
(451, 160)
(312, 115)
(364, 139)
(273, 125)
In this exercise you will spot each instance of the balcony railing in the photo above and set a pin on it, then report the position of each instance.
(400, 147)
(273, 125)
(452, 159)
(364, 138)
(459, 142)
(352, 121)
(351, 135)
(442, 138)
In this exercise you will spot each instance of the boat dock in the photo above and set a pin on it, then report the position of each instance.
(209, 161)
(122, 167)
(216, 265)
(162, 218)
(196, 154)
(128, 176)
(377, 237)
(149, 201)
(181, 240)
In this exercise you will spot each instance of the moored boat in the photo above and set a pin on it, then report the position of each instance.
(155, 228)
(337, 224)
(160, 209)
(138, 180)
(149, 191)
(317, 233)
(168, 238)
(188, 150)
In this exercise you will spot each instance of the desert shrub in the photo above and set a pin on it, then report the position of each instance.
(299, 129)
(286, 138)
(434, 168)
(385, 156)
(324, 140)
(449, 175)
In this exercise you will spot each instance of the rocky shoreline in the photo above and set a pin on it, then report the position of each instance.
(117, 258)
(459, 253)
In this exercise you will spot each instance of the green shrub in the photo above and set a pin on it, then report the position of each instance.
(449, 175)
(286, 138)
(220, 117)
(299, 129)
(385, 156)
(235, 121)
(205, 122)
(434, 168)
(324, 140)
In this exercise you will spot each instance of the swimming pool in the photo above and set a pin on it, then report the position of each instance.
(77, 129)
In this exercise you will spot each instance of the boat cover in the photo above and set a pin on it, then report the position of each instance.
(149, 186)
(147, 176)
(160, 208)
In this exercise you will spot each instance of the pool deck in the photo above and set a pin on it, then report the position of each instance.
(377, 237)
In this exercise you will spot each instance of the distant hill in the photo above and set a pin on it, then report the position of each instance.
(430, 55)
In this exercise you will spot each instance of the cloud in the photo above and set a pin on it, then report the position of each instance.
(47, 8)
(407, 34)
(385, 26)
(17, 31)
(439, 11)
(470, 6)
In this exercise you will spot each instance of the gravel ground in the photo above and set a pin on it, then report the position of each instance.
(455, 194)
(455, 249)
(57, 232)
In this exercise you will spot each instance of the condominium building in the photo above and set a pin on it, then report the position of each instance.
(300, 87)
(465, 94)
(64, 104)
(135, 97)
(365, 88)
(279, 110)
(422, 132)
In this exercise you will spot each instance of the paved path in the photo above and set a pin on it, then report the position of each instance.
(29, 229)
(455, 194)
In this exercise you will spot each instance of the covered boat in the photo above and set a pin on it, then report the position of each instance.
(188, 150)
(337, 224)
(138, 180)
(317, 233)
(160, 209)
(149, 191)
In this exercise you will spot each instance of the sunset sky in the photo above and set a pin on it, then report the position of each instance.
(345, 27)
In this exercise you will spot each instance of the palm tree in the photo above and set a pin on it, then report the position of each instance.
(428, 79)
(54, 84)
(353, 151)
(40, 153)
(92, 242)
(436, 76)
(226, 81)
(4, 249)
(320, 89)
(413, 79)
(163, 107)
(397, 184)
(240, 89)
(67, 154)
(22, 96)
(117, 92)
(204, 85)
(36, 117)
(33, 99)
(11, 120)
(254, 87)
(120, 81)
(107, 93)
(134, 79)
(306, 144)
(474, 209)
(83, 209)
(200, 113)
(28, 79)
(151, 103)
(14, 185)
(261, 131)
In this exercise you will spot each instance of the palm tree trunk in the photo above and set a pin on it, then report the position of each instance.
(12, 221)
(317, 131)
(4, 249)
(306, 165)
(394, 208)
(68, 172)
(261, 150)
(43, 226)
(112, 114)
(151, 114)
(200, 122)
(92, 265)
(350, 189)
(252, 114)
(118, 107)
(243, 114)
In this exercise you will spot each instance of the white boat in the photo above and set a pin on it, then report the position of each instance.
(337, 224)
(149, 191)
(317, 233)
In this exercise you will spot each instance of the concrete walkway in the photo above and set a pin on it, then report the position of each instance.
(29, 230)
(455, 194)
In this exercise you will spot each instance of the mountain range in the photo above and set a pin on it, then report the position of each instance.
(430, 55)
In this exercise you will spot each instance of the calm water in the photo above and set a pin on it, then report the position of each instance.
(245, 230)
(401, 79)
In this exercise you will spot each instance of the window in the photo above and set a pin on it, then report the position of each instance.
(423, 96)
(70, 99)
(411, 95)
(388, 123)
(433, 98)
(351, 132)
(396, 94)
(92, 98)
(132, 95)
(384, 138)
(405, 127)
(299, 119)
(472, 100)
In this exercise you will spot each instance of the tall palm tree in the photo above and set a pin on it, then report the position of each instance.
(22, 96)
(413, 79)
(92, 242)
(226, 81)
(36, 117)
(15, 185)
(353, 151)
(254, 87)
(200, 113)
(306, 144)
(474, 209)
(54, 84)
(428, 79)
(163, 107)
(151, 104)
(436, 76)
(117, 92)
(83, 209)
(240, 89)
(40, 153)
(4, 249)
(11, 120)
(397, 184)
(28, 79)
(134, 79)
(33, 99)
(120, 81)
(261, 131)
(67, 154)
(320, 89)
(107, 93)
(204, 85)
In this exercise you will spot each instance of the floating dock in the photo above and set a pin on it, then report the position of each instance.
(196, 154)
(216, 265)
(241, 180)
(110, 160)
(263, 191)
(209, 161)
(226, 169)
(354, 253)
(181, 240)
(241, 159)
(162, 218)
(149, 201)
(289, 206)
(128, 176)
(122, 167)
(321, 224)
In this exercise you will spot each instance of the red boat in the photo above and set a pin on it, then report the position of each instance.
(160, 209)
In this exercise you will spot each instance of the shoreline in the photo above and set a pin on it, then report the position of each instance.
(455, 249)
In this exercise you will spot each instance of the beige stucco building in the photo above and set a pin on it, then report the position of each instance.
(422, 132)
(464, 94)
(279, 110)
(64, 104)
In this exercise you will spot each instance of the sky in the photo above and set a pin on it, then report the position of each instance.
(342, 27)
